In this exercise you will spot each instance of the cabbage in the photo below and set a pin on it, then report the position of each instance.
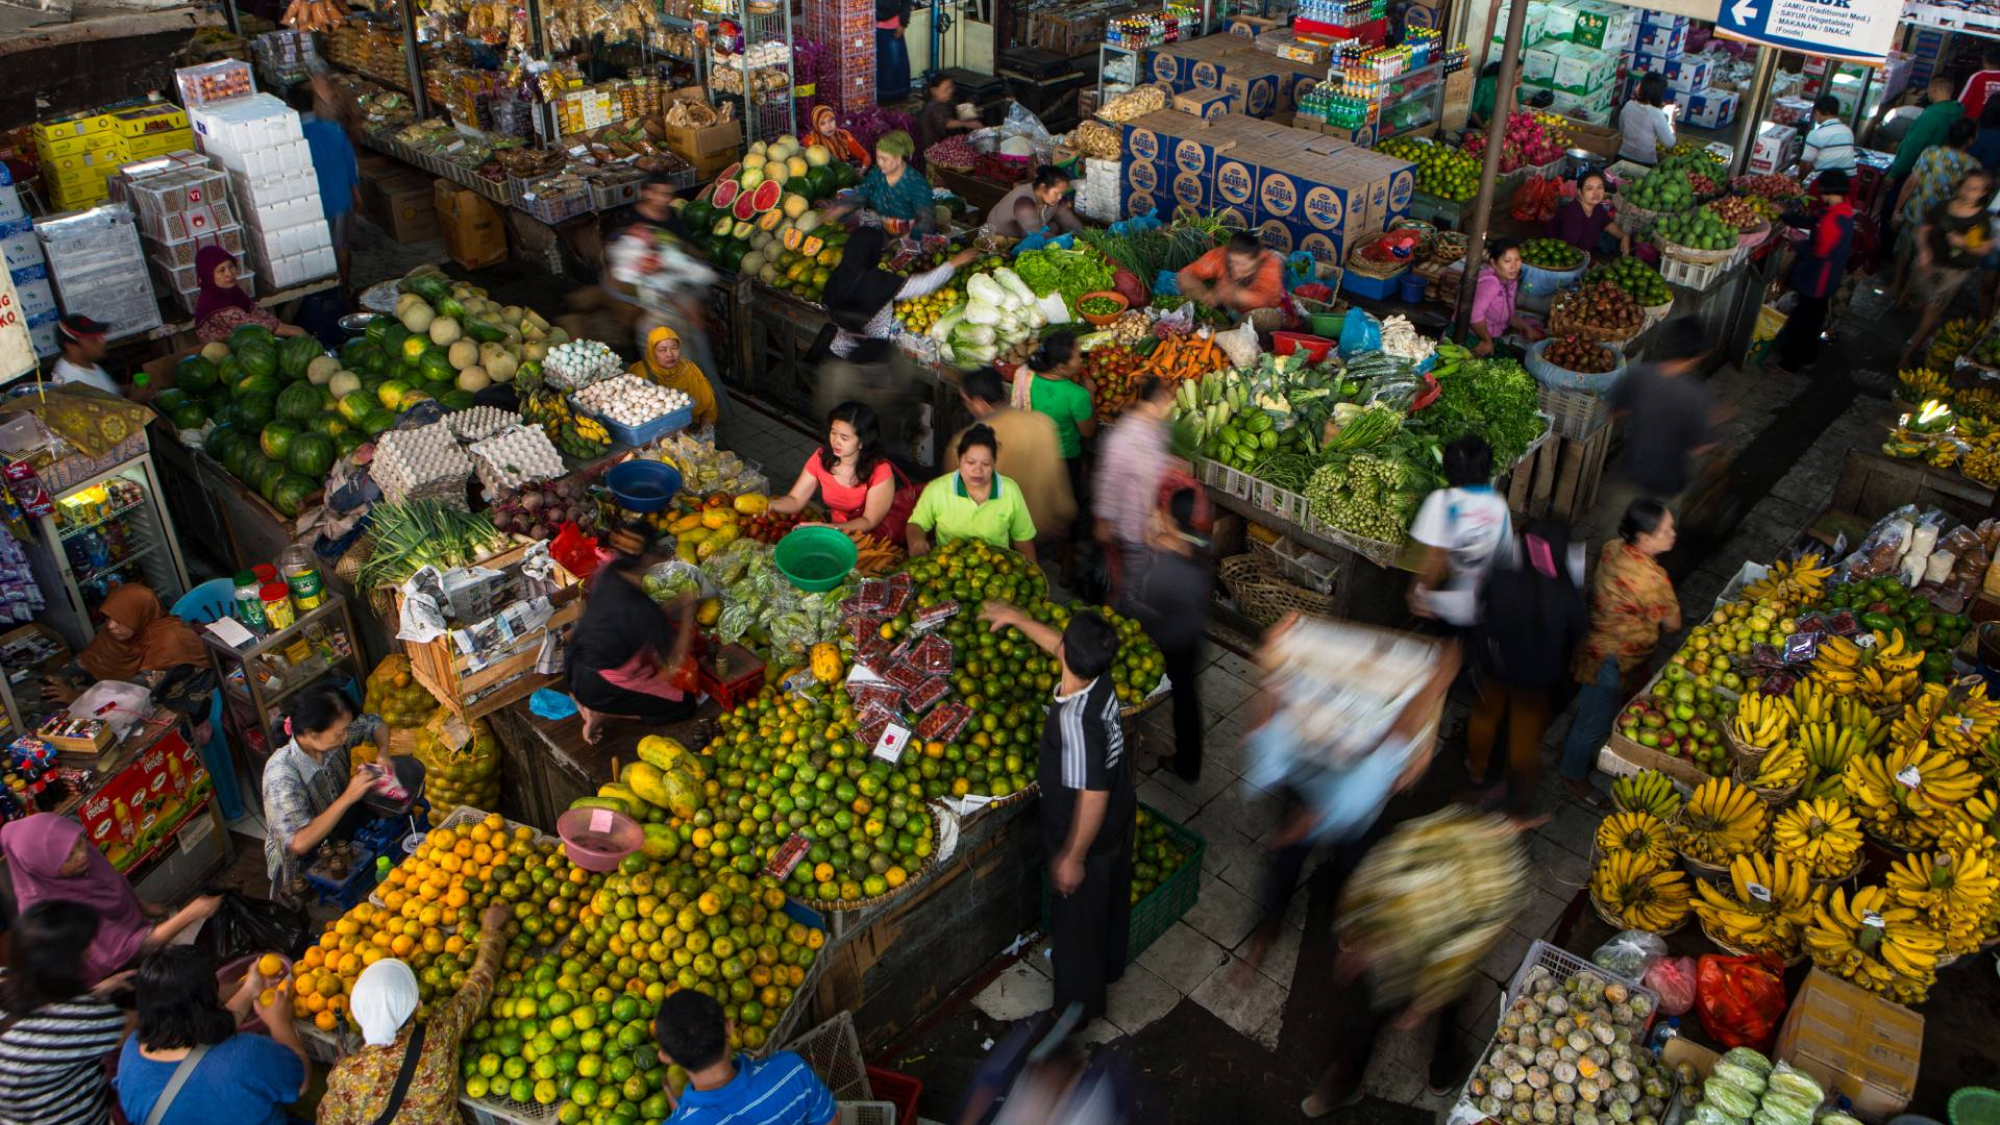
(980, 287)
(975, 353)
(973, 334)
(945, 324)
(978, 311)
(1014, 285)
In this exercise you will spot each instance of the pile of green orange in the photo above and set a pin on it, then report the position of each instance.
(1155, 855)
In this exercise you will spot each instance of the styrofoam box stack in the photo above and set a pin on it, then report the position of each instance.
(22, 252)
(181, 201)
(258, 140)
(99, 269)
(421, 463)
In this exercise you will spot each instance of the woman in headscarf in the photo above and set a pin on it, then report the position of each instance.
(664, 363)
(627, 654)
(222, 307)
(142, 643)
(843, 145)
(360, 1089)
(50, 860)
(897, 193)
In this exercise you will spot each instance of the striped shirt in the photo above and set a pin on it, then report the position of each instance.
(1083, 749)
(51, 1064)
(1830, 146)
(780, 1090)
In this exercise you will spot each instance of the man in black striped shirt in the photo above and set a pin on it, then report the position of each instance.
(54, 1033)
(1088, 807)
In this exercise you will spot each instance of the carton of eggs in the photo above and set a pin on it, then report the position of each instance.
(579, 363)
(631, 401)
(480, 422)
(516, 456)
(423, 461)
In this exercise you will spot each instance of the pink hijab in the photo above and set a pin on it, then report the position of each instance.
(36, 848)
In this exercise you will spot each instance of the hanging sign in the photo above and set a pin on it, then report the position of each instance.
(17, 348)
(1859, 31)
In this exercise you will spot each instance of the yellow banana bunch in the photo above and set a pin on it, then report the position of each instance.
(1762, 720)
(1722, 820)
(1642, 892)
(1907, 795)
(1827, 746)
(1894, 654)
(1820, 833)
(1798, 582)
(1832, 787)
(1975, 825)
(1808, 703)
(1856, 716)
(1875, 943)
(1781, 768)
(1966, 721)
(1919, 384)
(1955, 891)
(1884, 689)
(1639, 832)
(1765, 908)
(1647, 791)
(1837, 652)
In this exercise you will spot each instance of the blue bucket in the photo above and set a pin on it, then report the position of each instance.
(1413, 286)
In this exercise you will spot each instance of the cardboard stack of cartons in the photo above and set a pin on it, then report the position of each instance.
(1662, 49)
(1258, 84)
(79, 153)
(1572, 51)
(710, 148)
(847, 77)
(1301, 190)
(182, 204)
(257, 139)
(22, 252)
(99, 269)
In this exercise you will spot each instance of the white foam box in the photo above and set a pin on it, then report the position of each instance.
(276, 187)
(1777, 146)
(302, 238)
(36, 296)
(243, 125)
(295, 268)
(292, 156)
(288, 213)
(18, 244)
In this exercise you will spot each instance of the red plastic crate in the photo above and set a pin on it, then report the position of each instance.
(747, 681)
(901, 1090)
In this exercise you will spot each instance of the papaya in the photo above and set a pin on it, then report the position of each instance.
(647, 780)
(661, 752)
(612, 803)
(683, 793)
(618, 790)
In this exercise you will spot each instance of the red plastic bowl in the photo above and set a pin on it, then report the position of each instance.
(1315, 347)
(596, 839)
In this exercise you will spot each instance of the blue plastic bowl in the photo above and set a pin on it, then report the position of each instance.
(643, 486)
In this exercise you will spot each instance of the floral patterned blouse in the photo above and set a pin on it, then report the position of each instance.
(357, 1091)
(222, 322)
(1629, 598)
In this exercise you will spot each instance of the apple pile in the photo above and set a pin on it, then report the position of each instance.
(1681, 716)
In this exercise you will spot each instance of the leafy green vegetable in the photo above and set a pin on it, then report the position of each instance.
(1069, 272)
(1494, 398)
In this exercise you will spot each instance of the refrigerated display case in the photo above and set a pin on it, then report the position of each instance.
(105, 530)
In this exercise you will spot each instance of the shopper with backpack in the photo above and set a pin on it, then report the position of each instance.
(1532, 616)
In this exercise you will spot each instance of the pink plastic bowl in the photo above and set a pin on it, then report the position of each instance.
(596, 839)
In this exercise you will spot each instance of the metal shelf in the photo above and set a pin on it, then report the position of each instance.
(74, 530)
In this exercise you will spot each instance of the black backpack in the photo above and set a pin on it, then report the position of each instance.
(1532, 609)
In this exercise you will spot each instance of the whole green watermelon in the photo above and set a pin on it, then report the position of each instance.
(189, 416)
(378, 422)
(298, 403)
(228, 369)
(347, 441)
(168, 399)
(251, 383)
(294, 354)
(455, 400)
(245, 333)
(257, 356)
(326, 399)
(436, 367)
(373, 333)
(219, 440)
(252, 464)
(251, 412)
(362, 356)
(277, 439)
(195, 374)
(290, 492)
(328, 423)
(217, 399)
(392, 343)
(311, 456)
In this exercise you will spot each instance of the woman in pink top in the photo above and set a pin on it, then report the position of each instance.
(861, 490)
(1493, 299)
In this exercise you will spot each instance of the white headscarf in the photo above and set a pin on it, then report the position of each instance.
(384, 998)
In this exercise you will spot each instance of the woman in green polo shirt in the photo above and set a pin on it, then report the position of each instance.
(975, 502)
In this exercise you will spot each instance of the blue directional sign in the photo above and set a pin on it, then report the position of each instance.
(1855, 30)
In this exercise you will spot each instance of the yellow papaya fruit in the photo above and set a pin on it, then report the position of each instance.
(646, 780)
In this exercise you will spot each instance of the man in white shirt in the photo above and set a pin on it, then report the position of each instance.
(1830, 145)
(82, 342)
(1458, 527)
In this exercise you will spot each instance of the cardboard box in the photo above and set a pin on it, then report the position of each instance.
(1661, 39)
(1777, 147)
(1710, 109)
(1146, 176)
(1538, 64)
(402, 205)
(1235, 183)
(1855, 1043)
(475, 233)
(1607, 27)
(1250, 27)
(1685, 74)
(1204, 102)
(1585, 70)
(691, 143)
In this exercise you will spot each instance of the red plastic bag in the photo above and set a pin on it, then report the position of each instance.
(1741, 999)
(1673, 978)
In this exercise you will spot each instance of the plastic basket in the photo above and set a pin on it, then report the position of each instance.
(834, 1053)
(1675, 252)
(647, 434)
(899, 1091)
(1302, 565)
(1155, 914)
(1549, 375)
(506, 1111)
(326, 1047)
(871, 1113)
(553, 209)
(1539, 282)
(1692, 275)
(1573, 414)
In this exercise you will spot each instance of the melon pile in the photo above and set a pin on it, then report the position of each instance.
(759, 216)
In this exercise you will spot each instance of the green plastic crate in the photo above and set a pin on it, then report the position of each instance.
(1157, 912)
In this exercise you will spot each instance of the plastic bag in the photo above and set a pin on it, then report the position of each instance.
(1240, 344)
(247, 925)
(1796, 1084)
(1673, 979)
(1740, 999)
(1629, 953)
(1359, 333)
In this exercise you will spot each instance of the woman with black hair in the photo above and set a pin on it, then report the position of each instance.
(240, 1078)
(311, 789)
(863, 493)
(1586, 222)
(939, 118)
(973, 502)
(1644, 122)
(1495, 311)
(1034, 206)
(54, 1032)
(628, 655)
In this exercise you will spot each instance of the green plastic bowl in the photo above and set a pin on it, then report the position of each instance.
(1328, 324)
(815, 558)
(1974, 1105)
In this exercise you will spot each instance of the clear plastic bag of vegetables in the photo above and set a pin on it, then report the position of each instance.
(1729, 1097)
(1793, 1083)
(1707, 1113)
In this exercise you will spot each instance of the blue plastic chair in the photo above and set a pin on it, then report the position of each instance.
(208, 602)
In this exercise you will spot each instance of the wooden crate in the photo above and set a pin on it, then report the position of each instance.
(1560, 480)
(1871, 486)
(470, 693)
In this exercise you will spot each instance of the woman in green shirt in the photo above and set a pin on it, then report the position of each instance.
(975, 502)
(1062, 391)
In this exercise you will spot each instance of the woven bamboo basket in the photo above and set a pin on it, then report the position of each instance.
(1615, 922)
(1265, 597)
(1797, 957)
(1634, 219)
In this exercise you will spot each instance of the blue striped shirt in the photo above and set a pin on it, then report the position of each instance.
(780, 1090)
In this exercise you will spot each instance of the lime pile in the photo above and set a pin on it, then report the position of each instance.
(1698, 229)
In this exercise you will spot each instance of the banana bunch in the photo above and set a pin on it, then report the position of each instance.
(1781, 768)
(1821, 834)
(1954, 338)
(1856, 716)
(1958, 721)
(1976, 430)
(1881, 673)
(1828, 746)
(1875, 943)
(1980, 402)
(1767, 906)
(1908, 794)
(1808, 703)
(1791, 582)
(1638, 832)
(1762, 720)
(1721, 821)
(1647, 791)
(1642, 892)
(1982, 465)
(1955, 891)
(1975, 825)
(1921, 384)
(1944, 453)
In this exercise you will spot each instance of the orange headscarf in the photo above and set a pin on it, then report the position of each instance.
(159, 639)
(842, 142)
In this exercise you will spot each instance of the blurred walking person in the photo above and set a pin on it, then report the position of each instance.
(1459, 526)
(1132, 460)
(1817, 271)
(1167, 593)
(1533, 616)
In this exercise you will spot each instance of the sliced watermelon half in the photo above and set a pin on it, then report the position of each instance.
(767, 195)
(743, 208)
(729, 173)
(726, 193)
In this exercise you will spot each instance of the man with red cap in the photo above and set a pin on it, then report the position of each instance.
(82, 342)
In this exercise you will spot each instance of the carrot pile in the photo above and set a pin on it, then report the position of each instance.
(876, 554)
(1117, 370)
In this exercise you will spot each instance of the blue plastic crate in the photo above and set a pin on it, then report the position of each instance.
(641, 435)
(1372, 288)
(344, 894)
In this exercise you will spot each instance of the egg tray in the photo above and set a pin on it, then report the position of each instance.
(397, 454)
(492, 472)
(480, 422)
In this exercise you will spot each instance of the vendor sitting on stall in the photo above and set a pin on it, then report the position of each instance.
(1241, 278)
(897, 193)
(1586, 223)
(1493, 309)
(223, 307)
(1035, 206)
(853, 477)
(311, 791)
(664, 364)
(827, 131)
(627, 655)
(973, 502)
(142, 643)
(1644, 125)
(51, 860)
(940, 118)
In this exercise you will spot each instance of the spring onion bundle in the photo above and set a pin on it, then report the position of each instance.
(420, 533)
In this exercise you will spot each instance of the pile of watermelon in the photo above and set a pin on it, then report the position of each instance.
(758, 217)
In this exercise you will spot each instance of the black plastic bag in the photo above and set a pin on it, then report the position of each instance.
(249, 925)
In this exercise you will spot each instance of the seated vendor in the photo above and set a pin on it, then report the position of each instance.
(897, 193)
(223, 306)
(82, 344)
(973, 502)
(140, 642)
(939, 118)
(1036, 205)
(828, 133)
(1586, 221)
(627, 653)
(663, 363)
(852, 476)
(311, 790)
(1241, 278)
(1494, 313)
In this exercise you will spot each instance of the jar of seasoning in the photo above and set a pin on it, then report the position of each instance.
(278, 613)
(249, 601)
(302, 575)
(266, 574)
